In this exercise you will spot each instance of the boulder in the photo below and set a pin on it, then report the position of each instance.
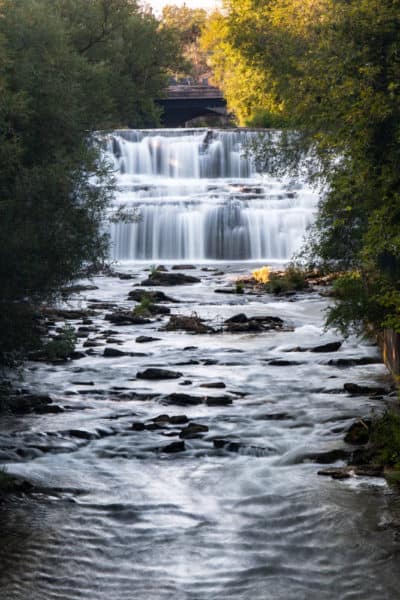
(353, 362)
(155, 296)
(183, 267)
(155, 374)
(169, 279)
(214, 385)
(174, 447)
(110, 352)
(364, 390)
(145, 339)
(359, 432)
(191, 324)
(193, 430)
(183, 399)
(126, 317)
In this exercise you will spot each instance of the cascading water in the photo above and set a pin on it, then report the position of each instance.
(199, 198)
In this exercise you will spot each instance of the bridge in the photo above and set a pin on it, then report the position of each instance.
(185, 102)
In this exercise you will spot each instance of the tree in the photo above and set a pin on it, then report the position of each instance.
(68, 68)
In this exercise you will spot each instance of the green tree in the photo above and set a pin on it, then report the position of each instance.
(67, 69)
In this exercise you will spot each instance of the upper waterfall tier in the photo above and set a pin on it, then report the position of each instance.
(199, 197)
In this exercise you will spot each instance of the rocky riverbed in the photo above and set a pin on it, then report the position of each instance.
(177, 454)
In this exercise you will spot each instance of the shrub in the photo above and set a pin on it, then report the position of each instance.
(293, 280)
(62, 346)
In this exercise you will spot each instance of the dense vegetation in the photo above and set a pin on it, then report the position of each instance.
(331, 69)
(67, 69)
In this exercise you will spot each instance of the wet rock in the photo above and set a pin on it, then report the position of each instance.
(193, 430)
(125, 276)
(209, 362)
(189, 348)
(227, 445)
(186, 382)
(122, 317)
(183, 267)
(240, 323)
(64, 314)
(161, 419)
(183, 399)
(178, 420)
(174, 447)
(227, 290)
(359, 432)
(21, 404)
(76, 355)
(353, 362)
(214, 385)
(330, 347)
(154, 309)
(218, 400)
(364, 390)
(330, 456)
(145, 339)
(154, 373)
(81, 434)
(155, 296)
(191, 361)
(92, 344)
(192, 324)
(283, 363)
(114, 352)
(76, 289)
(49, 409)
(351, 471)
(169, 279)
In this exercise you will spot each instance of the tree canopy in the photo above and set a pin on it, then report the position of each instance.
(67, 69)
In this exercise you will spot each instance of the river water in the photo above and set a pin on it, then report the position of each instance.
(118, 518)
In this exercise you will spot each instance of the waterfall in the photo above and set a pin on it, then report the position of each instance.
(199, 198)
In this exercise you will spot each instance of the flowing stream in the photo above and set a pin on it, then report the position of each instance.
(240, 512)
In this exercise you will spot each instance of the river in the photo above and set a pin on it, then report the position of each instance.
(240, 511)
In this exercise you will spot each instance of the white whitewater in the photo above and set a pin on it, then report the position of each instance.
(200, 198)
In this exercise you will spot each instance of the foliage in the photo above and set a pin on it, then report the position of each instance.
(385, 440)
(144, 308)
(61, 346)
(67, 69)
(331, 68)
(239, 286)
(186, 25)
(293, 280)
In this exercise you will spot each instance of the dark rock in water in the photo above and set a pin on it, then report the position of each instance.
(218, 400)
(183, 267)
(161, 419)
(227, 445)
(121, 317)
(240, 318)
(81, 434)
(77, 355)
(145, 339)
(92, 344)
(350, 471)
(125, 276)
(161, 269)
(49, 409)
(192, 324)
(353, 362)
(174, 447)
(214, 385)
(138, 426)
(178, 420)
(183, 399)
(190, 361)
(227, 290)
(156, 309)
(209, 362)
(114, 352)
(330, 347)
(283, 363)
(324, 458)
(186, 382)
(364, 390)
(193, 430)
(168, 279)
(187, 348)
(240, 323)
(154, 296)
(155, 374)
(359, 432)
(21, 404)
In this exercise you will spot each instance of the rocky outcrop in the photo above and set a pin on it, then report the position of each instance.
(159, 278)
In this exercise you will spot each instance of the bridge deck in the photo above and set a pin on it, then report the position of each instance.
(189, 92)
